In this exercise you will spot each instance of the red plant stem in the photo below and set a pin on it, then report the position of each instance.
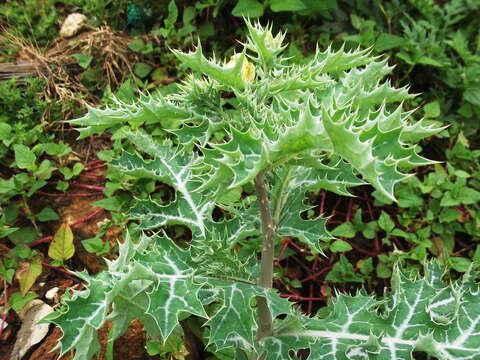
(359, 249)
(5, 302)
(40, 241)
(398, 243)
(301, 298)
(89, 187)
(376, 241)
(335, 222)
(47, 265)
(95, 167)
(323, 195)
(64, 271)
(320, 273)
(302, 250)
(350, 210)
(49, 238)
(336, 205)
(69, 195)
(301, 264)
(310, 302)
(93, 162)
(282, 251)
(91, 137)
(91, 176)
(88, 217)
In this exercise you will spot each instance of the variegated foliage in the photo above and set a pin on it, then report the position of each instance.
(329, 124)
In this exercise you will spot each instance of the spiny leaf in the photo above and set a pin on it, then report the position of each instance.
(288, 206)
(157, 281)
(361, 327)
(189, 208)
(223, 73)
(146, 110)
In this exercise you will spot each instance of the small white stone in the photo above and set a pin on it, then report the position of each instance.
(50, 294)
(31, 332)
(72, 24)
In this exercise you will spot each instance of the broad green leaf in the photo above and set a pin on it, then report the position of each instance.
(17, 301)
(24, 157)
(340, 246)
(345, 230)
(142, 70)
(388, 41)
(61, 248)
(5, 131)
(136, 45)
(27, 273)
(287, 5)
(432, 109)
(47, 214)
(385, 222)
(248, 8)
(83, 60)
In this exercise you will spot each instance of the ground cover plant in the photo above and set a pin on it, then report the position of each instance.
(332, 124)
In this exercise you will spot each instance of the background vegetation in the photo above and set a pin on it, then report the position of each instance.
(124, 50)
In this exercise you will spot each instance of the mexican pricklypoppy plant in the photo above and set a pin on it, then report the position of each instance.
(255, 120)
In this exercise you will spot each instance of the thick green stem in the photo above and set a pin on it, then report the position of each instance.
(265, 326)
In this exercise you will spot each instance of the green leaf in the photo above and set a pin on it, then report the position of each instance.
(142, 70)
(340, 246)
(343, 272)
(189, 208)
(417, 308)
(57, 149)
(448, 215)
(472, 95)
(432, 109)
(27, 273)
(47, 214)
(385, 222)
(388, 41)
(287, 5)
(5, 131)
(248, 8)
(288, 205)
(460, 264)
(172, 15)
(113, 203)
(24, 235)
(136, 45)
(83, 60)
(61, 248)
(24, 157)
(345, 230)
(17, 301)
(96, 245)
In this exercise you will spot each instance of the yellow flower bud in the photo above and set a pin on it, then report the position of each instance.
(248, 69)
